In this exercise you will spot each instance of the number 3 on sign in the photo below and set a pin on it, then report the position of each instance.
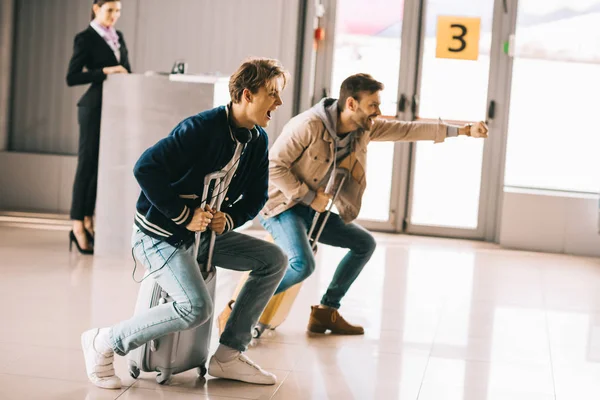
(458, 37)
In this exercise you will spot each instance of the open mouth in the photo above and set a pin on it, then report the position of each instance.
(269, 113)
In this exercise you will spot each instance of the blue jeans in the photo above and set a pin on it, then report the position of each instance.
(177, 272)
(289, 230)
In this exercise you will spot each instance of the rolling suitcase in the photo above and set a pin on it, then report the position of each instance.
(280, 305)
(184, 350)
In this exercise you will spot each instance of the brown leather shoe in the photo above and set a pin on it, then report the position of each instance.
(224, 316)
(322, 319)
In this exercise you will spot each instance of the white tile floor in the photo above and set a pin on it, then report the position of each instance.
(444, 319)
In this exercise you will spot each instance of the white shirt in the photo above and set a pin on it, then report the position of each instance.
(230, 168)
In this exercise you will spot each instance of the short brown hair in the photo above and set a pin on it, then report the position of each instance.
(253, 74)
(354, 85)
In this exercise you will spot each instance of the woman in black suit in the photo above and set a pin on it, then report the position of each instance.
(98, 51)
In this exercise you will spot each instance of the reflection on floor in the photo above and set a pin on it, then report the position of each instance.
(444, 319)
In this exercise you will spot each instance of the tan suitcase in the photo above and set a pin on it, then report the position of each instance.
(280, 305)
(277, 309)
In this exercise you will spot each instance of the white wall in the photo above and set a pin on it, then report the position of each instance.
(550, 222)
(36, 182)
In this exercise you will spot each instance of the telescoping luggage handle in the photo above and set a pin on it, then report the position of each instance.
(216, 195)
(216, 198)
(334, 186)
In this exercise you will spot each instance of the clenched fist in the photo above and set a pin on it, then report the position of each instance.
(200, 220)
(319, 203)
(477, 130)
(218, 222)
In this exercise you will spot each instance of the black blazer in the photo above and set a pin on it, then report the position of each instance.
(90, 51)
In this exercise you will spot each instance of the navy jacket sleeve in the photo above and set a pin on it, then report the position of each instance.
(75, 73)
(256, 195)
(166, 162)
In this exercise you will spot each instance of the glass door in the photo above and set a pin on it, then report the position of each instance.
(445, 193)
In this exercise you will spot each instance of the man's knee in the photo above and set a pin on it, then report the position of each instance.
(277, 260)
(195, 312)
(304, 266)
(365, 245)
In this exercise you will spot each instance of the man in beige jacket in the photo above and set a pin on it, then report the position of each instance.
(334, 133)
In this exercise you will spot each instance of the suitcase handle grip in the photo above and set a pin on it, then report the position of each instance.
(335, 184)
(216, 179)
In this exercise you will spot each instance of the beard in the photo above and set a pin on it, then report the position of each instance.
(364, 121)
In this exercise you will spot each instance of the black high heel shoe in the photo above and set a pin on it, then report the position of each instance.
(89, 236)
(73, 238)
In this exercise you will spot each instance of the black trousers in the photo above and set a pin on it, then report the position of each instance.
(83, 202)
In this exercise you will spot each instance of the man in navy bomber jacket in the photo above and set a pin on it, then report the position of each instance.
(171, 174)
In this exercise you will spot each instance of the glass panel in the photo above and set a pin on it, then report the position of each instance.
(447, 177)
(364, 32)
(376, 200)
(553, 139)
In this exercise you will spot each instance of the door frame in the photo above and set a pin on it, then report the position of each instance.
(494, 148)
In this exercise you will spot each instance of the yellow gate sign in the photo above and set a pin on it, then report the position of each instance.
(458, 37)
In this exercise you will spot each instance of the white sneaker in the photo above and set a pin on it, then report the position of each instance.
(99, 365)
(241, 368)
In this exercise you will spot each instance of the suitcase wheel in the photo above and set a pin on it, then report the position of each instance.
(162, 377)
(202, 371)
(256, 332)
(134, 371)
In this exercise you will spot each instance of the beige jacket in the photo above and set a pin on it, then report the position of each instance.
(304, 152)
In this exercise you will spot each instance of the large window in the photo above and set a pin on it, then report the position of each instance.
(553, 133)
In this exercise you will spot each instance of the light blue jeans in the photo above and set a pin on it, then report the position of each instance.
(289, 230)
(177, 272)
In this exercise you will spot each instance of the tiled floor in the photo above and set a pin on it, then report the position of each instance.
(444, 319)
